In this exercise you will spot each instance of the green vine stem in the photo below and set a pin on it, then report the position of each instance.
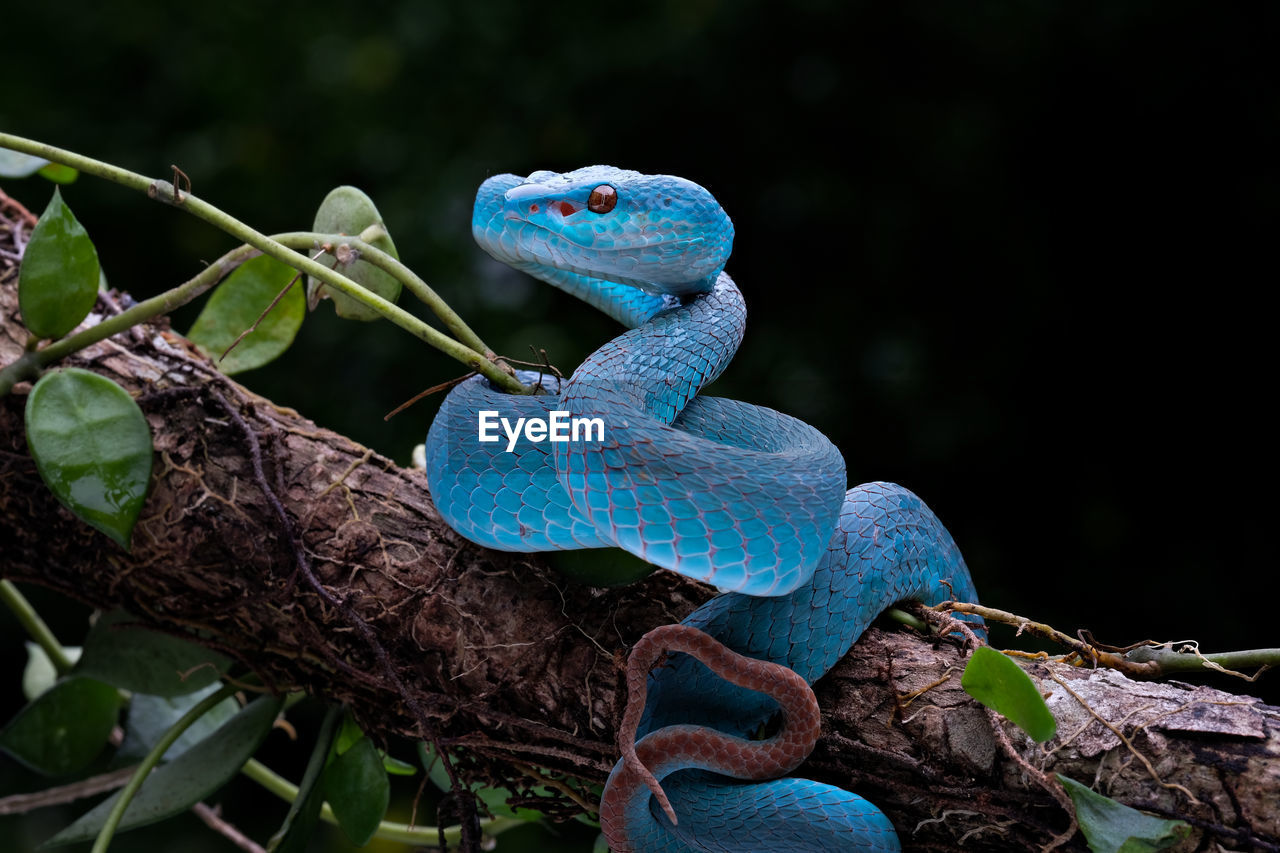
(1186, 657)
(424, 292)
(153, 757)
(387, 830)
(163, 191)
(28, 366)
(35, 626)
(411, 280)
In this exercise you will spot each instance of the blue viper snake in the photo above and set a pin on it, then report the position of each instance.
(737, 495)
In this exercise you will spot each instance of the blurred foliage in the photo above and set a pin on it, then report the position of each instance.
(999, 252)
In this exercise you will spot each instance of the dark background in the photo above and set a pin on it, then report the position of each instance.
(1011, 255)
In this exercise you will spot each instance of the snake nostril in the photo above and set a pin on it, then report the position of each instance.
(533, 208)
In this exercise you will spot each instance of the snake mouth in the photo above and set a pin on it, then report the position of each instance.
(618, 263)
(534, 234)
(543, 240)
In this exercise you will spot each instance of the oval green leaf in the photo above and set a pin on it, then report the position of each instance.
(347, 210)
(132, 657)
(357, 789)
(15, 164)
(174, 787)
(997, 682)
(92, 448)
(607, 567)
(63, 729)
(348, 733)
(238, 303)
(396, 767)
(59, 174)
(58, 279)
(40, 674)
(1112, 827)
(151, 716)
(299, 824)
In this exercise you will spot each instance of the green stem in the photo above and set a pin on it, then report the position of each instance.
(149, 308)
(1171, 660)
(392, 265)
(388, 830)
(35, 626)
(470, 341)
(157, 752)
(106, 171)
(28, 366)
(902, 617)
(165, 192)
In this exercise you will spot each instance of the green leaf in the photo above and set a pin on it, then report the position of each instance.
(174, 787)
(58, 279)
(347, 735)
(434, 765)
(997, 682)
(238, 303)
(1112, 827)
(347, 210)
(357, 789)
(396, 767)
(304, 812)
(59, 174)
(40, 674)
(151, 716)
(15, 164)
(121, 652)
(92, 448)
(596, 567)
(64, 728)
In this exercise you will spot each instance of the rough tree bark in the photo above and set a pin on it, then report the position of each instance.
(512, 667)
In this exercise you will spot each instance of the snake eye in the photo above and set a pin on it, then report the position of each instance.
(603, 199)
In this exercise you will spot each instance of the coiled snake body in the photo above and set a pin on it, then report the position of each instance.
(737, 495)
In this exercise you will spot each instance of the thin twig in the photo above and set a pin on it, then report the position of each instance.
(443, 386)
(265, 311)
(1051, 785)
(179, 177)
(213, 819)
(1086, 651)
(62, 794)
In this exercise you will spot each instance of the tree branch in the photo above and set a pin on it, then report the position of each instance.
(514, 666)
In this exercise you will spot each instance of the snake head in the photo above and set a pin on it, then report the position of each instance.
(659, 233)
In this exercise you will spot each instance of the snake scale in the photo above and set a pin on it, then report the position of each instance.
(737, 495)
